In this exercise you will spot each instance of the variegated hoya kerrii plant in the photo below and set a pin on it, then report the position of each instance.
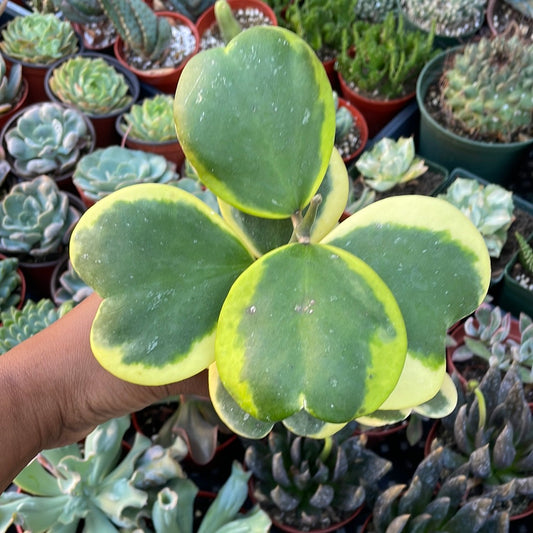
(298, 318)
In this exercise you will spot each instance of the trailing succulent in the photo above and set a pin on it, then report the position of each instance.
(38, 38)
(486, 90)
(48, 138)
(36, 219)
(10, 85)
(10, 283)
(151, 120)
(311, 483)
(108, 169)
(90, 84)
(490, 207)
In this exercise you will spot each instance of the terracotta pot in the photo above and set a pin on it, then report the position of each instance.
(166, 79)
(103, 124)
(361, 125)
(21, 102)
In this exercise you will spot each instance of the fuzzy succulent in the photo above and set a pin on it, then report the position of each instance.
(390, 162)
(453, 18)
(10, 283)
(38, 38)
(151, 120)
(10, 85)
(373, 10)
(36, 219)
(434, 502)
(108, 169)
(90, 84)
(488, 89)
(71, 287)
(48, 138)
(310, 482)
(490, 207)
(21, 324)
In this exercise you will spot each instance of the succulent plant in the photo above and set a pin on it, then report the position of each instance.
(10, 85)
(373, 10)
(21, 324)
(90, 84)
(490, 207)
(487, 89)
(37, 219)
(525, 253)
(71, 287)
(108, 169)
(308, 483)
(453, 18)
(390, 162)
(192, 9)
(387, 59)
(433, 501)
(38, 38)
(344, 120)
(151, 120)
(80, 11)
(195, 187)
(10, 283)
(48, 138)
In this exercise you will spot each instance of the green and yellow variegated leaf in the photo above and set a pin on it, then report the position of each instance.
(383, 418)
(435, 263)
(257, 121)
(443, 403)
(164, 263)
(264, 234)
(310, 327)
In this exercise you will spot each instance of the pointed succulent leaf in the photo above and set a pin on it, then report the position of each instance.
(504, 452)
(322, 497)
(284, 500)
(254, 91)
(385, 508)
(398, 524)
(480, 462)
(279, 472)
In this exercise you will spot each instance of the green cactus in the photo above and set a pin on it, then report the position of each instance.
(48, 138)
(80, 11)
(490, 207)
(108, 169)
(10, 85)
(487, 90)
(525, 253)
(91, 84)
(36, 219)
(192, 9)
(152, 120)
(389, 163)
(71, 287)
(38, 39)
(10, 283)
(373, 10)
(21, 324)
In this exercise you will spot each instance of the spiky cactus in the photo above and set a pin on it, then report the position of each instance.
(10, 85)
(487, 89)
(9, 283)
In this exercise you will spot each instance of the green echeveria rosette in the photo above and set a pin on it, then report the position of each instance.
(10, 282)
(47, 138)
(36, 219)
(90, 84)
(39, 39)
(108, 169)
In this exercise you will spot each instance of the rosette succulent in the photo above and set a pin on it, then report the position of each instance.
(9, 283)
(151, 120)
(47, 138)
(108, 169)
(71, 287)
(10, 85)
(91, 84)
(38, 38)
(36, 219)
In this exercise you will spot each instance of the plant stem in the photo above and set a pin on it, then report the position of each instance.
(326, 450)
(302, 225)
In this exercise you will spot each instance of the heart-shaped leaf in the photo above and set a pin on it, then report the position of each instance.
(163, 262)
(257, 121)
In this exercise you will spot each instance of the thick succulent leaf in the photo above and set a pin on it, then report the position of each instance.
(265, 91)
(443, 403)
(311, 327)
(302, 423)
(34, 479)
(382, 418)
(436, 264)
(264, 234)
(163, 262)
(385, 506)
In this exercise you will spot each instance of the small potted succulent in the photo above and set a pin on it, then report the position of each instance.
(13, 90)
(351, 129)
(65, 284)
(97, 85)
(192, 9)
(36, 41)
(47, 138)
(12, 283)
(149, 126)
(108, 169)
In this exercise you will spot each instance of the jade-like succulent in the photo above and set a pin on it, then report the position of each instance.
(108, 169)
(151, 120)
(374, 10)
(490, 207)
(389, 163)
(21, 324)
(301, 480)
(453, 18)
(387, 59)
(10, 85)
(48, 138)
(90, 84)
(38, 38)
(71, 287)
(9, 283)
(433, 501)
(36, 219)
(487, 89)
